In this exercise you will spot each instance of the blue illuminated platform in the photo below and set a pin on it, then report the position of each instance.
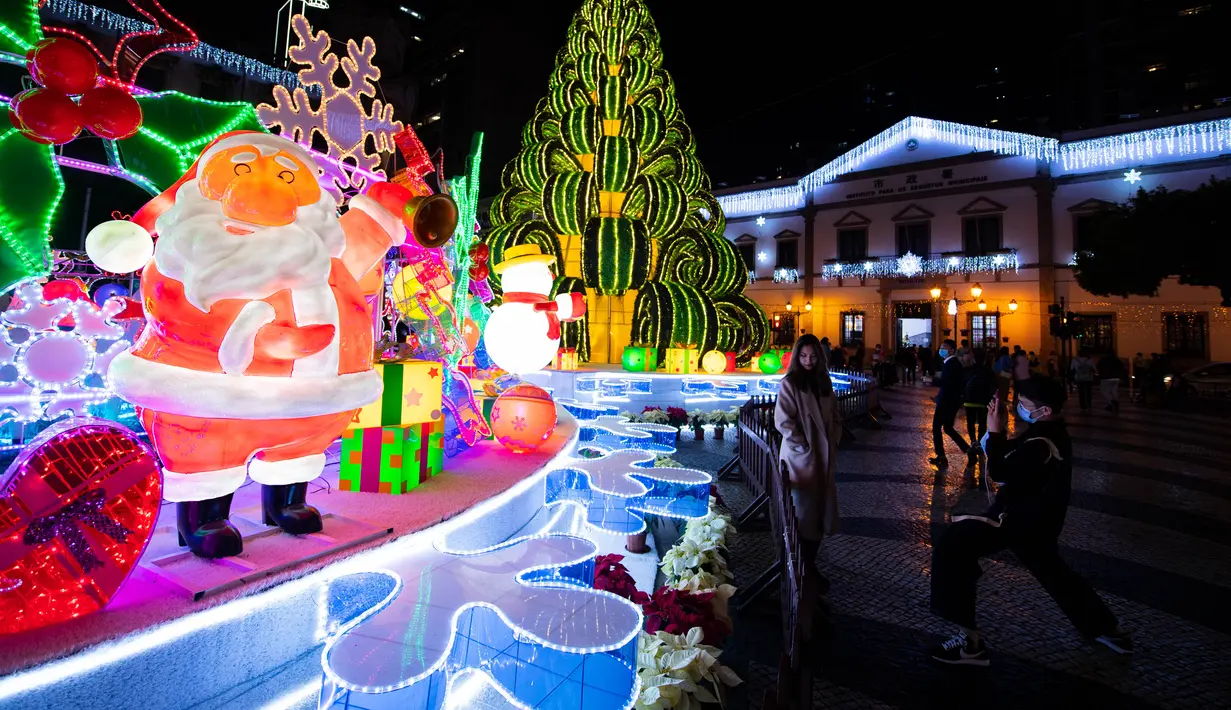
(611, 387)
(483, 589)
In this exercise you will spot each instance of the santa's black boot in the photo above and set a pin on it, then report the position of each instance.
(204, 528)
(284, 506)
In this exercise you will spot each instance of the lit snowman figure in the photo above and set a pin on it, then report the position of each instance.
(523, 333)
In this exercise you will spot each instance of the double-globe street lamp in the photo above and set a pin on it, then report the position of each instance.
(975, 292)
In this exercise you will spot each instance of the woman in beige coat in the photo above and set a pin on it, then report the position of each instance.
(807, 417)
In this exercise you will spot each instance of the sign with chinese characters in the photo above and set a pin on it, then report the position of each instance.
(908, 183)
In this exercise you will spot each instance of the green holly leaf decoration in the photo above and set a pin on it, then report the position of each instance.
(30, 191)
(20, 28)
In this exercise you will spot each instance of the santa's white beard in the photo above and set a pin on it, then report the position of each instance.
(195, 248)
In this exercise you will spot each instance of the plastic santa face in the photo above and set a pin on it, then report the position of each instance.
(254, 222)
(263, 189)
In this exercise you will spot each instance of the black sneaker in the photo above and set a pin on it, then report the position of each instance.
(1118, 641)
(939, 461)
(960, 651)
(986, 519)
(993, 515)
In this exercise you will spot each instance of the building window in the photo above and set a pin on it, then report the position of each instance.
(852, 328)
(1098, 333)
(1085, 228)
(1185, 334)
(788, 254)
(748, 252)
(915, 237)
(784, 329)
(852, 244)
(984, 330)
(981, 235)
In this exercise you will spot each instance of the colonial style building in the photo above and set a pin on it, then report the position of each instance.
(933, 227)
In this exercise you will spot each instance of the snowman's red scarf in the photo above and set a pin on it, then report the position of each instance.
(541, 304)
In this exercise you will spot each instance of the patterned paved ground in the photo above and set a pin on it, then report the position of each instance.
(1149, 525)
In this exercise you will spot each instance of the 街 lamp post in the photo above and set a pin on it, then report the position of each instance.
(975, 292)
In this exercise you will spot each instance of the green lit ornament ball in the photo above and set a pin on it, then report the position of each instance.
(770, 363)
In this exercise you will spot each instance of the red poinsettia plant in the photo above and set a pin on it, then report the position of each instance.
(612, 576)
(676, 416)
(676, 611)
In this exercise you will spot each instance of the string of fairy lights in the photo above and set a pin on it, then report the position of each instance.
(1129, 315)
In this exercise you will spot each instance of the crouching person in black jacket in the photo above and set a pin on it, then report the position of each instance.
(1035, 472)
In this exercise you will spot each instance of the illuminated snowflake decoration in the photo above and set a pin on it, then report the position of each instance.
(618, 488)
(1133, 176)
(49, 369)
(522, 612)
(340, 118)
(910, 264)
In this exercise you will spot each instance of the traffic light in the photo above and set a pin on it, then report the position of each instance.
(1055, 327)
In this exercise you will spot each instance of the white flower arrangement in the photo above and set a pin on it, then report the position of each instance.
(673, 671)
(718, 418)
(695, 565)
(655, 416)
(697, 419)
(710, 531)
(629, 416)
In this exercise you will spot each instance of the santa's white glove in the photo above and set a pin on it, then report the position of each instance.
(391, 223)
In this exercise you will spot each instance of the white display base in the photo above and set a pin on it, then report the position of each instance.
(154, 648)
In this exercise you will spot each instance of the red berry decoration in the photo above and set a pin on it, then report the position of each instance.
(46, 116)
(30, 52)
(110, 112)
(478, 272)
(63, 65)
(479, 253)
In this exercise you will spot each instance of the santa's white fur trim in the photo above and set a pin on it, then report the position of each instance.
(178, 390)
(383, 217)
(282, 473)
(183, 487)
(239, 344)
(267, 143)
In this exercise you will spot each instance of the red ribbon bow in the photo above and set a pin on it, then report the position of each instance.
(541, 304)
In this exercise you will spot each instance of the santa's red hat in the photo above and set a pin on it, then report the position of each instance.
(122, 246)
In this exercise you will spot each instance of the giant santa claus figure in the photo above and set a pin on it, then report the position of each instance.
(258, 345)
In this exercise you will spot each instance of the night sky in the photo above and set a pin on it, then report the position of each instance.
(776, 89)
(751, 82)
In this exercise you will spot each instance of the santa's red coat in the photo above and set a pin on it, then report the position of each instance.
(211, 399)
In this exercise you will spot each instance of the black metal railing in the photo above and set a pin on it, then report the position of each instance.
(797, 585)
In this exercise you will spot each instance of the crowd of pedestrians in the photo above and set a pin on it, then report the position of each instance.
(1026, 478)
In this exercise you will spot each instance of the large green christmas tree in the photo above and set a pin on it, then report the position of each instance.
(608, 182)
